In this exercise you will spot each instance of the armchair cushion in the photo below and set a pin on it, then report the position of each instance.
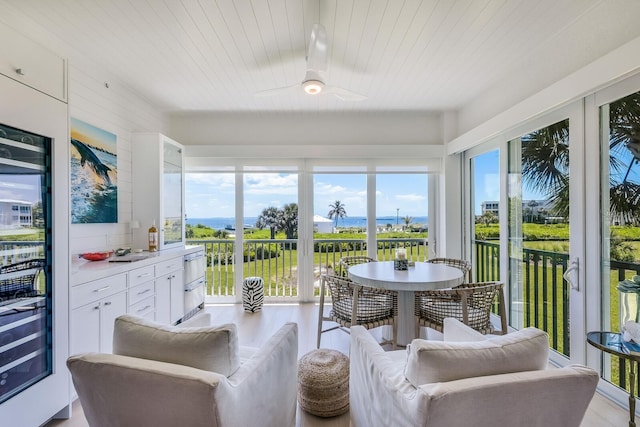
(210, 348)
(381, 396)
(118, 390)
(439, 361)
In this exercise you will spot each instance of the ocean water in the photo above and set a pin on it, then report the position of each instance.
(219, 223)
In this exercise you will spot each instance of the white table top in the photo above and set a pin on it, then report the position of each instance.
(423, 276)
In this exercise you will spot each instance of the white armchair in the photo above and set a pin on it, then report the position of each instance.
(153, 381)
(495, 381)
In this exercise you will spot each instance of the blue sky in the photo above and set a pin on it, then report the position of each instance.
(213, 194)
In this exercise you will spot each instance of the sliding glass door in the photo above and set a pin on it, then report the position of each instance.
(618, 110)
(527, 227)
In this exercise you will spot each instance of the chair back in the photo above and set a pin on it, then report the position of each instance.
(462, 264)
(347, 261)
(20, 279)
(354, 304)
(471, 303)
(117, 390)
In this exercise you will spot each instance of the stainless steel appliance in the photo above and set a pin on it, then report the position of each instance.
(195, 265)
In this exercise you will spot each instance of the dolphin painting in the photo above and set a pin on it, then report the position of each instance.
(87, 155)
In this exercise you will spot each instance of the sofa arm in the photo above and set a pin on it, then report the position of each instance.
(264, 387)
(551, 397)
(379, 394)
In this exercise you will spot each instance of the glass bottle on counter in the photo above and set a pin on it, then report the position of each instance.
(153, 237)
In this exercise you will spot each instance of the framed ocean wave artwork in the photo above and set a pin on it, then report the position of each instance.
(94, 173)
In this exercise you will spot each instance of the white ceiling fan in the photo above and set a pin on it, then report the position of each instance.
(314, 79)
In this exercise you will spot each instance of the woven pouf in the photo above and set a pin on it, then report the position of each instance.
(252, 293)
(323, 382)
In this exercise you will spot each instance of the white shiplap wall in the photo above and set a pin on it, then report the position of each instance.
(117, 110)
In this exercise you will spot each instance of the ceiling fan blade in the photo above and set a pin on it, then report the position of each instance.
(343, 94)
(278, 91)
(318, 49)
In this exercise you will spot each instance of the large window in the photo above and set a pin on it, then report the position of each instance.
(619, 222)
(289, 225)
(485, 209)
(538, 223)
(270, 231)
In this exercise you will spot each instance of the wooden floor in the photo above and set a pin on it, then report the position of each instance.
(255, 328)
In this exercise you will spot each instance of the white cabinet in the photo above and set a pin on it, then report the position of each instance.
(170, 290)
(142, 291)
(158, 189)
(110, 308)
(27, 62)
(95, 305)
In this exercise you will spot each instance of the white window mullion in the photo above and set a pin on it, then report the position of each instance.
(239, 225)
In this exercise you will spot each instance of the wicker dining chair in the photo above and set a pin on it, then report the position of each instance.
(470, 303)
(354, 304)
(347, 261)
(22, 278)
(462, 264)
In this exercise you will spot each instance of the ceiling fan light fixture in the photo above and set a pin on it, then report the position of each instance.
(313, 87)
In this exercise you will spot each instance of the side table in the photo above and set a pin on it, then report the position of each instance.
(611, 342)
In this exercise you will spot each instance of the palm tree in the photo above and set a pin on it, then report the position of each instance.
(285, 219)
(288, 220)
(337, 211)
(269, 218)
(545, 164)
(407, 220)
(545, 160)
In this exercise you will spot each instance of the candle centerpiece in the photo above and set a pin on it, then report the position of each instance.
(401, 262)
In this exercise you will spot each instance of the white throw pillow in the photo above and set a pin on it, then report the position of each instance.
(440, 361)
(211, 348)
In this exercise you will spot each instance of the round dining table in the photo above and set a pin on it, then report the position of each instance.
(419, 277)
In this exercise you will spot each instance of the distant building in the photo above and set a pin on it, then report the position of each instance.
(322, 224)
(15, 214)
(491, 207)
(532, 210)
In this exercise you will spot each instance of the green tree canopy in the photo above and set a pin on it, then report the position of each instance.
(285, 219)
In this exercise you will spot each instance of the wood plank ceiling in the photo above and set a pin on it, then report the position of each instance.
(418, 55)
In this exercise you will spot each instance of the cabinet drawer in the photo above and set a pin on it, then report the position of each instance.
(93, 291)
(141, 275)
(143, 308)
(140, 292)
(168, 266)
(29, 63)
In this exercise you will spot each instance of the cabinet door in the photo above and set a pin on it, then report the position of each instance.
(163, 299)
(85, 329)
(177, 295)
(110, 308)
(172, 195)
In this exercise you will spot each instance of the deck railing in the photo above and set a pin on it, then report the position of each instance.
(276, 261)
(545, 296)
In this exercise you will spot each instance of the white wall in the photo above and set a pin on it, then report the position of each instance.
(289, 128)
(610, 68)
(608, 26)
(116, 110)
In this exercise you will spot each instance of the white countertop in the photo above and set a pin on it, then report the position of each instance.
(83, 271)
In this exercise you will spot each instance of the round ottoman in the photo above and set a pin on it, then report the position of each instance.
(323, 382)
(252, 293)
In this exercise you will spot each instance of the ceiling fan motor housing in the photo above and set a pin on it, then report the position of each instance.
(312, 87)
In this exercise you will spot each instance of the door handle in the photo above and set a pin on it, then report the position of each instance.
(574, 266)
